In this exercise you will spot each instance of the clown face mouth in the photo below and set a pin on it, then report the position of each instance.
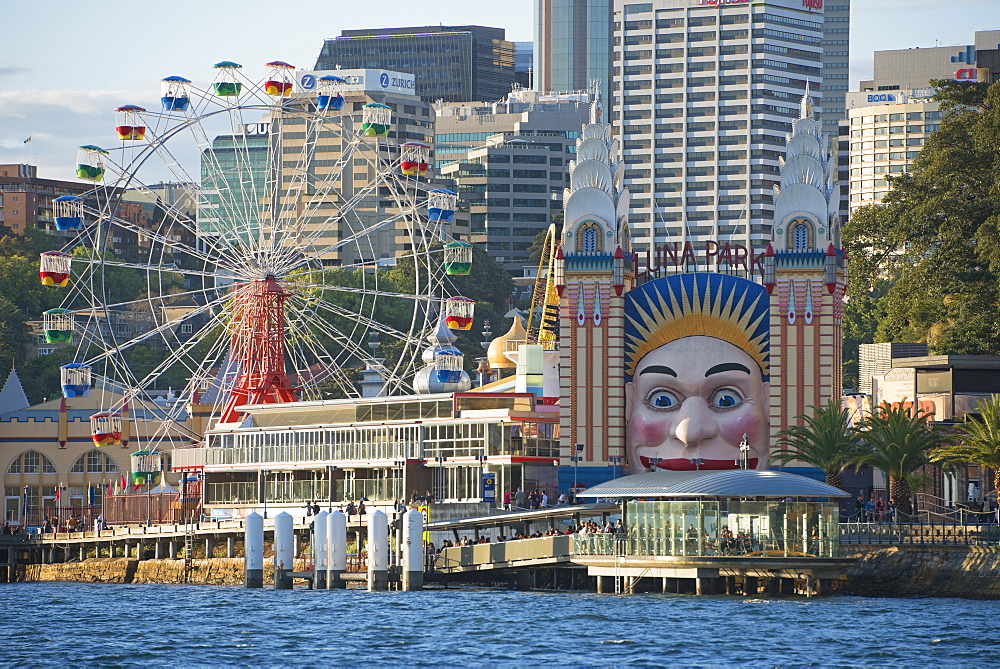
(686, 465)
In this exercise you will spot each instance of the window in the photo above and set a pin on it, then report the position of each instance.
(801, 231)
(187, 328)
(31, 462)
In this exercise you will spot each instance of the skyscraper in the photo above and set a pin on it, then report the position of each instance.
(704, 95)
(450, 63)
(573, 45)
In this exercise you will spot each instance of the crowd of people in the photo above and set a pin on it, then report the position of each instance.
(519, 500)
(875, 510)
(11, 528)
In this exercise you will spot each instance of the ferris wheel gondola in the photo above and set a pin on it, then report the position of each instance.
(330, 92)
(175, 93)
(68, 211)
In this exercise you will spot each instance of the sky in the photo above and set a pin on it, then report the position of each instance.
(65, 65)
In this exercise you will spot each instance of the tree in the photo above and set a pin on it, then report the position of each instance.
(979, 441)
(825, 441)
(937, 232)
(14, 332)
(863, 313)
(898, 442)
(537, 247)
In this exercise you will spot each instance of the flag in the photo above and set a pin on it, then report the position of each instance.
(124, 483)
(24, 513)
(58, 493)
(92, 495)
(27, 140)
(110, 487)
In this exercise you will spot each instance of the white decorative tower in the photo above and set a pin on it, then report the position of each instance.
(596, 271)
(444, 371)
(805, 272)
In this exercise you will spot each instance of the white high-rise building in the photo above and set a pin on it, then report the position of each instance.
(704, 94)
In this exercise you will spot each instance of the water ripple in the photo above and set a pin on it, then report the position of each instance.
(47, 624)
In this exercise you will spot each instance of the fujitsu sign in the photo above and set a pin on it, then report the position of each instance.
(813, 4)
(717, 3)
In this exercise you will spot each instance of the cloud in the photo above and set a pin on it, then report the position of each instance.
(11, 70)
(26, 103)
(58, 121)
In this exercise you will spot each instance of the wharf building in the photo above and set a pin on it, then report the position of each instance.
(509, 161)
(450, 63)
(704, 95)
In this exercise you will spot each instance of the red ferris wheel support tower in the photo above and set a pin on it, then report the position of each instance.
(258, 347)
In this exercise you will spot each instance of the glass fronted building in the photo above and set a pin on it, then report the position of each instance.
(451, 63)
(573, 45)
(235, 165)
(734, 513)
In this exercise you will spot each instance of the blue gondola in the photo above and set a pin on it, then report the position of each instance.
(175, 93)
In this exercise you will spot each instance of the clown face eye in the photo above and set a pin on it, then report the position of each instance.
(726, 398)
(663, 399)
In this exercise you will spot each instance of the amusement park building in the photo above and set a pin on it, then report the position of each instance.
(50, 446)
(451, 63)
(378, 449)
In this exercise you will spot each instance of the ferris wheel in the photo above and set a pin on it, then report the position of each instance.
(303, 239)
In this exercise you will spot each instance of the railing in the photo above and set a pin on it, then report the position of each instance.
(187, 457)
(921, 534)
(300, 492)
(690, 545)
(506, 551)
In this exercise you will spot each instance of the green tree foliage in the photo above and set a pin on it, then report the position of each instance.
(936, 234)
(14, 332)
(898, 442)
(825, 440)
(979, 441)
(862, 314)
(40, 375)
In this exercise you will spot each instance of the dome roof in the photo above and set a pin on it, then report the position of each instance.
(495, 352)
(729, 483)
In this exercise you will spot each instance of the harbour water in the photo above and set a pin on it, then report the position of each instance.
(47, 624)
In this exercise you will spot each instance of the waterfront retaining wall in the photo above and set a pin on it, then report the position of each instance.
(922, 571)
(213, 571)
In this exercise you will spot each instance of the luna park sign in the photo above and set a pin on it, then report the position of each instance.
(688, 256)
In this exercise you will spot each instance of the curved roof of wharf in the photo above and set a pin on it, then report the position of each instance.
(720, 484)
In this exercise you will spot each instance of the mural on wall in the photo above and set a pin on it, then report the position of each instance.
(697, 372)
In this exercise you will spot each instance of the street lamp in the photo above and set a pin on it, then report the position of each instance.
(439, 489)
(744, 461)
(654, 463)
(576, 457)
(264, 473)
(697, 462)
(329, 481)
(615, 460)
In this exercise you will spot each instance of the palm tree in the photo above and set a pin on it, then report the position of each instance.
(900, 441)
(825, 440)
(979, 444)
